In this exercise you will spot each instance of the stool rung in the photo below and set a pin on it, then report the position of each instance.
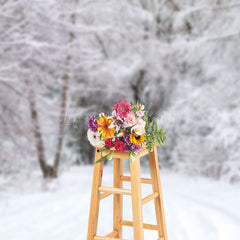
(115, 190)
(143, 180)
(149, 198)
(106, 238)
(104, 195)
(145, 225)
(112, 234)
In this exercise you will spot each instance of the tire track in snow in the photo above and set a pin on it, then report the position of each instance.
(205, 220)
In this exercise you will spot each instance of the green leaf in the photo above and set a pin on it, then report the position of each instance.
(104, 148)
(145, 118)
(159, 142)
(151, 124)
(155, 127)
(149, 147)
(132, 156)
(106, 157)
(110, 156)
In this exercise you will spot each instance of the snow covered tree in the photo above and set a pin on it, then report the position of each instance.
(60, 61)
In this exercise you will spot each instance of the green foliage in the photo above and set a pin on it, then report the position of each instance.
(106, 157)
(145, 118)
(135, 107)
(104, 148)
(154, 135)
(132, 156)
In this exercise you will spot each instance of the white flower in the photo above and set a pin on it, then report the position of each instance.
(117, 121)
(138, 129)
(101, 114)
(141, 106)
(120, 134)
(94, 138)
(114, 114)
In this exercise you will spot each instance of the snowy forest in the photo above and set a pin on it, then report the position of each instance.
(61, 61)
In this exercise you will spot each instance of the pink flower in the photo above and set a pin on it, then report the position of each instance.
(140, 113)
(130, 120)
(122, 108)
(141, 122)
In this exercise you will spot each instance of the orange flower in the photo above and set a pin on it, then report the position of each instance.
(104, 130)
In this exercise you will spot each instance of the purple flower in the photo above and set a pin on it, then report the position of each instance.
(126, 148)
(127, 140)
(92, 124)
(117, 121)
(136, 148)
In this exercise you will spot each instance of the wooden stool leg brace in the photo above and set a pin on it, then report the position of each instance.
(135, 192)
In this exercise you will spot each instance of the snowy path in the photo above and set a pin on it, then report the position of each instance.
(195, 209)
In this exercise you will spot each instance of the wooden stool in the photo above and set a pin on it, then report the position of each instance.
(100, 192)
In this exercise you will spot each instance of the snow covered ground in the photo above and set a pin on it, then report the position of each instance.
(195, 208)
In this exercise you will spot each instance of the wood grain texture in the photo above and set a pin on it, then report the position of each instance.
(135, 192)
(145, 225)
(95, 198)
(117, 198)
(115, 190)
(158, 202)
(136, 199)
(112, 234)
(104, 195)
(143, 180)
(124, 155)
(149, 198)
(106, 238)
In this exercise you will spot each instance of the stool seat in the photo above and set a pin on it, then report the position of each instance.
(124, 155)
(100, 192)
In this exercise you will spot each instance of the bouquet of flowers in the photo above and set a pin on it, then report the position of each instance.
(126, 130)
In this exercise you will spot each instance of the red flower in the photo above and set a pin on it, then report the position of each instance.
(120, 147)
(109, 143)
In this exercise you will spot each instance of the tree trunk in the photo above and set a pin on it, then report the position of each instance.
(61, 125)
(65, 80)
(136, 85)
(37, 134)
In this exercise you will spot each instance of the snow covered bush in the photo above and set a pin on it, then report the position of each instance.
(180, 58)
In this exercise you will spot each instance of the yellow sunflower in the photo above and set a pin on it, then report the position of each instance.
(137, 139)
(104, 130)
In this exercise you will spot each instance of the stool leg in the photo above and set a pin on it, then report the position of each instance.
(95, 198)
(158, 202)
(117, 198)
(136, 199)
